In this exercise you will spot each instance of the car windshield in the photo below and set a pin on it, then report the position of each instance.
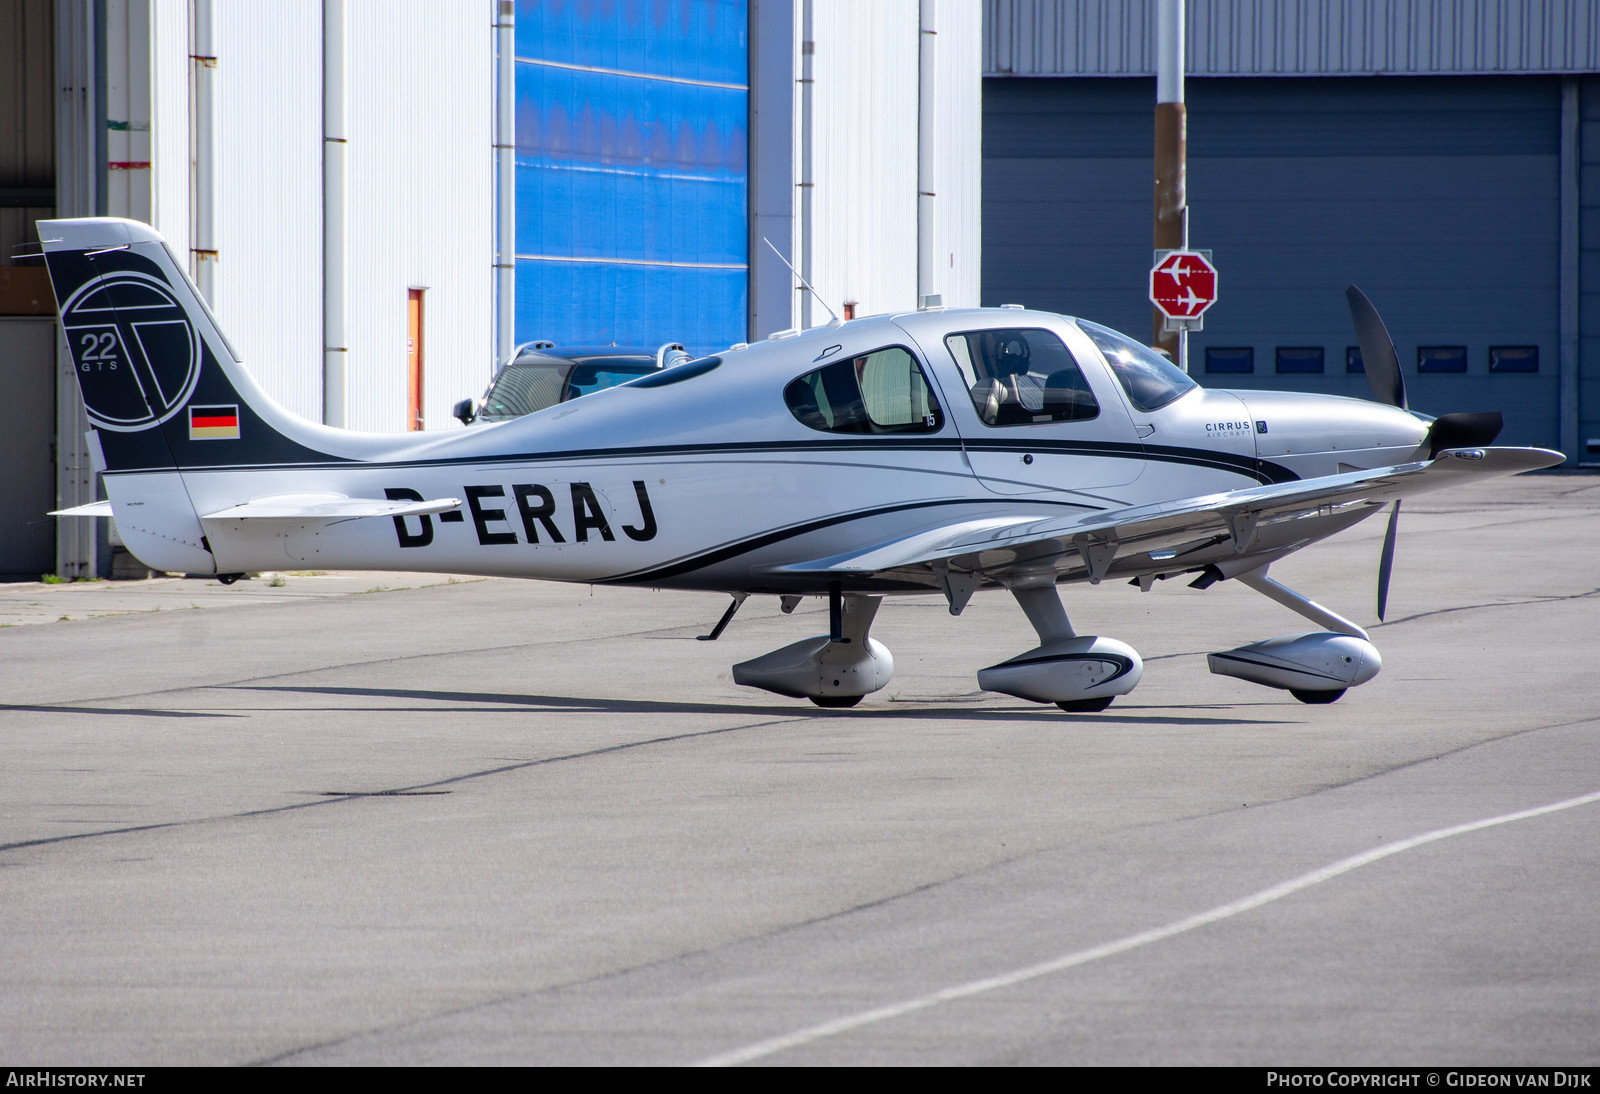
(534, 383)
(1150, 380)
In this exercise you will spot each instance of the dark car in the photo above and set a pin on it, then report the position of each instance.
(542, 374)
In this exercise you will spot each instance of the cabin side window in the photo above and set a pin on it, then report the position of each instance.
(1022, 376)
(880, 392)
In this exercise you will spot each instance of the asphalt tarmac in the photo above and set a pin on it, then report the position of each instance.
(375, 819)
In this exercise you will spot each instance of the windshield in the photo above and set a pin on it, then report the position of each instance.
(1150, 380)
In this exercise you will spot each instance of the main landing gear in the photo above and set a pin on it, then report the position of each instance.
(1081, 674)
(836, 669)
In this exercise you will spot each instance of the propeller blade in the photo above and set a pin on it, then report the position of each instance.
(1463, 430)
(1377, 350)
(1386, 563)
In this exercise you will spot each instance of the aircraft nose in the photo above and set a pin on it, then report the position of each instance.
(1354, 430)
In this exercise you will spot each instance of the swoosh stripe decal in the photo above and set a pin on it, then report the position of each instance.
(729, 551)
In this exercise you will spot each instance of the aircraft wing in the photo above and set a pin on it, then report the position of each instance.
(329, 507)
(993, 548)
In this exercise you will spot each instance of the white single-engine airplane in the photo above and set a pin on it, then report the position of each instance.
(929, 452)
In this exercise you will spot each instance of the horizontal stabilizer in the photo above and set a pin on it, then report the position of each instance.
(329, 507)
(93, 509)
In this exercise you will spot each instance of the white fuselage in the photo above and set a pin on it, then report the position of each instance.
(713, 482)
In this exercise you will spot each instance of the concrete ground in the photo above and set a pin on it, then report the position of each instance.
(397, 819)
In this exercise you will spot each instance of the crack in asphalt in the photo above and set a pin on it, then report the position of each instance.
(396, 791)
(781, 930)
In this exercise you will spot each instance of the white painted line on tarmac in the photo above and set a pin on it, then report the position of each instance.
(1122, 945)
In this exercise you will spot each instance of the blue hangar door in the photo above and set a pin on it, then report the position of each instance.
(632, 174)
(1438, 196)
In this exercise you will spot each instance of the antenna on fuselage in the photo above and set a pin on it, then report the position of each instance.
(814, 294)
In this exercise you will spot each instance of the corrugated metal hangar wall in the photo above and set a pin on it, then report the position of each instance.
(661, 141)
(423, 212)
(1444, 156)
(420, 214)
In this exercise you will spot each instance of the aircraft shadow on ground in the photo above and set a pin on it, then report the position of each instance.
(140, 712)
(474, 701)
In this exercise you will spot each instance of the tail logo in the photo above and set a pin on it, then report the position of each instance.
(137, 354)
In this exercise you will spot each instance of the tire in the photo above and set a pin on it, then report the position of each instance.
(1316, 698)
(1085, 706)
(836, 701)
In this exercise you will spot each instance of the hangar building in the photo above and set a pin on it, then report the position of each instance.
(1442, 154)
(380, 198)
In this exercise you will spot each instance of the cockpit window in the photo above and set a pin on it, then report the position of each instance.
(1150, 380)
(521, 389)
(1021, 376)
(879, 392)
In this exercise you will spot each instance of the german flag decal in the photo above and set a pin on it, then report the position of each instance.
(214, 423)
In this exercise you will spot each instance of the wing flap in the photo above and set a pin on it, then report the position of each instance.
(1100, 537)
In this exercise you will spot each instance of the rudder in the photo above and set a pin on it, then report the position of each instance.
(163, 388)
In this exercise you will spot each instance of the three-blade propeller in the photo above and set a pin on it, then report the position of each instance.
(1382, 366)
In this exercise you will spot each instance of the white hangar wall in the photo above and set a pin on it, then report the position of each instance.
(422, 203)
(862, 228)
(891, 81)
(835, 141)
(844, 134)
(420, 95)
(267, 286)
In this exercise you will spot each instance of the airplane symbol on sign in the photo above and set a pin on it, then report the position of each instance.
(1183, 285)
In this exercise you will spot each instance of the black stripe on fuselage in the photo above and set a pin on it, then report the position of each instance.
(1262, 471)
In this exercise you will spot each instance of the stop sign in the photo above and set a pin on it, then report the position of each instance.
(1183, 284)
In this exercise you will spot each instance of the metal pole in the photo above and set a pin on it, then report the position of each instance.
(505, 155)
(1171, 198)
(203, 144)
(80, 541)
(927, 130)
(1567, 431)
(808, 52)
(335, 225)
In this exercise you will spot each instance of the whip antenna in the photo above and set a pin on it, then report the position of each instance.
(814, 294)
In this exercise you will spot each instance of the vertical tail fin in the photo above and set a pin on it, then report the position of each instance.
(163, 388)
(162, 385)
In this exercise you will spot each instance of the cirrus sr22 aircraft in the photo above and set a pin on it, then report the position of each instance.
(933, 452)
